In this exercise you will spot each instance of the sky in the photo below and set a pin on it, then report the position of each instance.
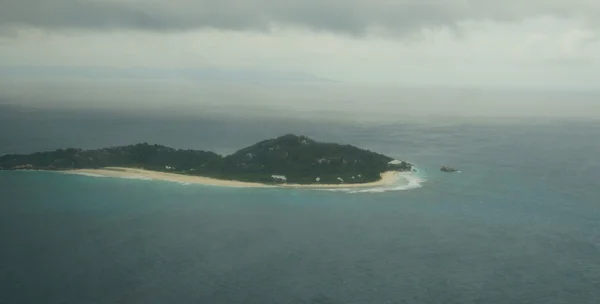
(510, 43)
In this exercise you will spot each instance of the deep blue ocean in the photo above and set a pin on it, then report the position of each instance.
(519, 224)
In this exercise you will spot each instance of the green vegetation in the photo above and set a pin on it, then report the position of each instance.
(290, 158)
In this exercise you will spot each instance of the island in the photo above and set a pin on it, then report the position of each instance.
(286, 160)
(448, 169)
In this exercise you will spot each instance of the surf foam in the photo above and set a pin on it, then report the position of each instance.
(138, 177)
(88, 174)
(403, 181)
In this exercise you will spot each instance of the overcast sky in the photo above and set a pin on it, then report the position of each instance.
(530, 43)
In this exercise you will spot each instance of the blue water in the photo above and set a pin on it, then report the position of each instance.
(520, 224)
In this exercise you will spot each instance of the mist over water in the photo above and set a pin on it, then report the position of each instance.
(329, 101)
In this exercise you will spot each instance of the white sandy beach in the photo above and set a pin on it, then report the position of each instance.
(387, 178)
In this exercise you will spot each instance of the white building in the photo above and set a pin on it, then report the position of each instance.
(279, 177)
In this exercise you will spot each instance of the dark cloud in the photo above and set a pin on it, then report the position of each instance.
(346, 16)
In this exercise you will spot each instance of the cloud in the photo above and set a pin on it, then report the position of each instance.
(513, 42)
(539, 52)
(340, 16)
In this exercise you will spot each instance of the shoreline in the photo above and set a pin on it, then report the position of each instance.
(387, 178)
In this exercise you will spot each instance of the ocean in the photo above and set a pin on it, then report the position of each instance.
(519, 224)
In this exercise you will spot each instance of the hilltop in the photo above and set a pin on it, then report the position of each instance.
(287, 159)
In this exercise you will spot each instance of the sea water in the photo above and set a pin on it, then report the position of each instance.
(519, 224)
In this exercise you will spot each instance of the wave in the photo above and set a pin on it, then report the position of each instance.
(138, 177)
(89, 174)
(404, 181)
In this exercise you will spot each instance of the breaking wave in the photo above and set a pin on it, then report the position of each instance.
(89, 174)
(403, 181)
(138, 177)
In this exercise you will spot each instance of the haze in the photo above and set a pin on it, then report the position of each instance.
(505, 58)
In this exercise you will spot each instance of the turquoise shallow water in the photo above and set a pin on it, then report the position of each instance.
(520, 224)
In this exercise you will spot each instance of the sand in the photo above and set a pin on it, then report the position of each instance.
(386, 178)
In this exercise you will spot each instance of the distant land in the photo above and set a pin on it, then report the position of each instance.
(289, 159)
